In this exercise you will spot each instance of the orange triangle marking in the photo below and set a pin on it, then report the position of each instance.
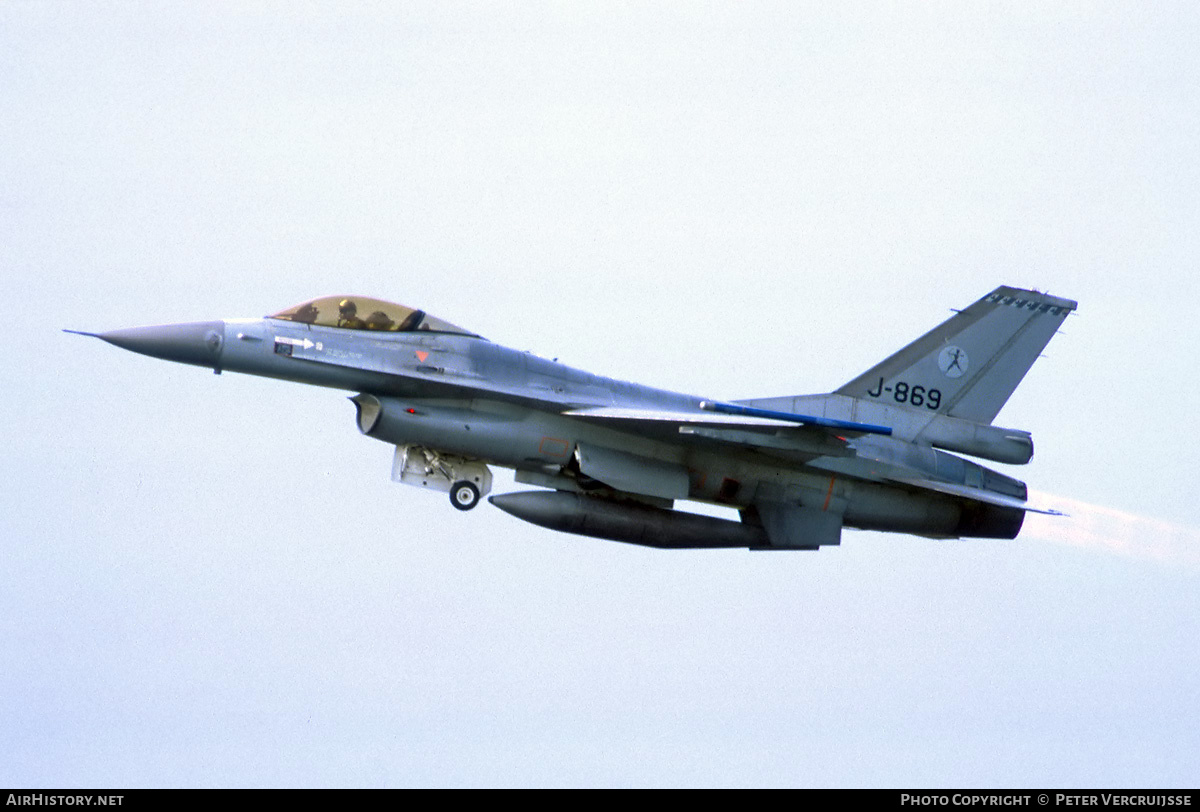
(421, 356)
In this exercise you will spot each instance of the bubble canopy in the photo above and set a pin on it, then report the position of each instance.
(364, 313)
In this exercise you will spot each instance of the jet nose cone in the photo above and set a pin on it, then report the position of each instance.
(193, 343)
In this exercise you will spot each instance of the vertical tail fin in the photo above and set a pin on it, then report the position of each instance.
(968, 366)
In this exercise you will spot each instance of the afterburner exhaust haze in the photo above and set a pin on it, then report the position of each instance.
(1095, 527)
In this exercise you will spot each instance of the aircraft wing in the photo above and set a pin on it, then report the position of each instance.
(619, 415)
(746, 430)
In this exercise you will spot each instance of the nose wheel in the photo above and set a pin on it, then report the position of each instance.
(464, 495)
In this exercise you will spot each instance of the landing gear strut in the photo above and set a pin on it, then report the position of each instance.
(466, 480)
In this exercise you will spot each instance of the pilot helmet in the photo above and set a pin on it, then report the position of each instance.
(347, 309)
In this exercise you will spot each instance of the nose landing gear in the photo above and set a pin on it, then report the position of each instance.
(464, 495)
(467, 481)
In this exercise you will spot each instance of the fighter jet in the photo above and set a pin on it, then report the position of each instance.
(611, 458)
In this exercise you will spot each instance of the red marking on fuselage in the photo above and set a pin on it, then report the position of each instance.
(553, 447)
(829, 494)
(421, 355)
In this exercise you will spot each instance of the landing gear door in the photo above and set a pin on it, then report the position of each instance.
(427, 468)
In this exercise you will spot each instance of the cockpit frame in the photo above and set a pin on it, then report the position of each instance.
(347, 313)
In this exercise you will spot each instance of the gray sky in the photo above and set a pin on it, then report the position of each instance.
(212, 581)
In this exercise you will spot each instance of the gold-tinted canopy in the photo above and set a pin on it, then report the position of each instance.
(364, 313)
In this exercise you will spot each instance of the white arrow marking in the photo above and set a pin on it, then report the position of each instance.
(295, 342)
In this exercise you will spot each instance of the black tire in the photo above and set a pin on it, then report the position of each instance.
(464, 495)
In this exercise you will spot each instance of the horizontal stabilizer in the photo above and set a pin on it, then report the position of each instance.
(977, 495)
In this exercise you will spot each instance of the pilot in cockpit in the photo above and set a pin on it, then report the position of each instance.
(348, 316)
